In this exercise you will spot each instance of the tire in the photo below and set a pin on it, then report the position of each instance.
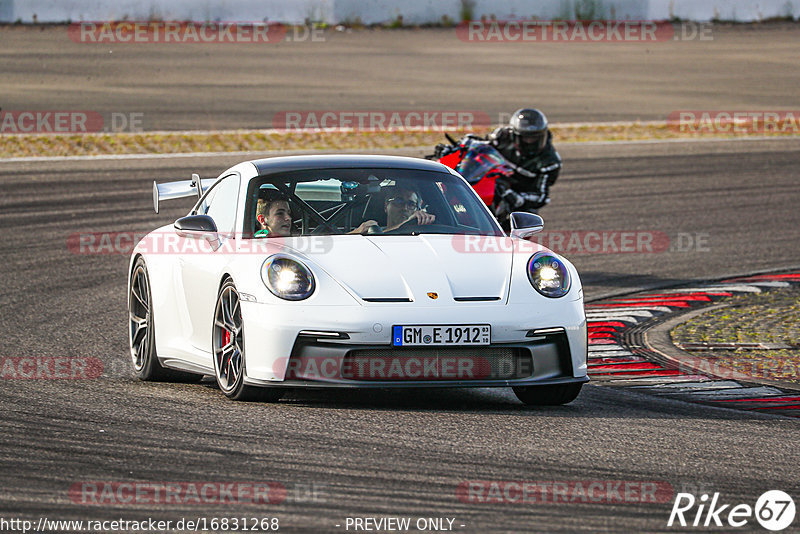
(228, 349)
(552, 395)
(141, 332)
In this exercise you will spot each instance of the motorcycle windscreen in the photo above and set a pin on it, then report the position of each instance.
(478, 162)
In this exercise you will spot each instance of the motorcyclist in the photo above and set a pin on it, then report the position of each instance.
(527, 145)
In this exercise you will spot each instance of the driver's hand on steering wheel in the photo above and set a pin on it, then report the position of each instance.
(363, 227)
(420, 217)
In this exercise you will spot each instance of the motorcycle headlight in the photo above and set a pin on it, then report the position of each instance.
(287, 278)
(548, 275)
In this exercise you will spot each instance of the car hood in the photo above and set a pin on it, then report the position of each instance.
(420, 268)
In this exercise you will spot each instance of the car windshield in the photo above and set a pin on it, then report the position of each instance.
(365, 201)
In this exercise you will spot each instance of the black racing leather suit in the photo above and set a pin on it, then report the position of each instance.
(528, 189)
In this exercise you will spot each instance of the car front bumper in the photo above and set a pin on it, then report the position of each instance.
(331, 346)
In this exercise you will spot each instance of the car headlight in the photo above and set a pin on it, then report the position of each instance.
(287, 278)
(548, 275)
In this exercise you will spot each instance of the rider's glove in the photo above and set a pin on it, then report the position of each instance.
(514, 199)
(535, 200)
(441, 150)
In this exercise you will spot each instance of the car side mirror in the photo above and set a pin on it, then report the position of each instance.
(524, 225)
(195, 226)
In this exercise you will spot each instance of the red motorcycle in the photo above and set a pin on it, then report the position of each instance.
(480, 164)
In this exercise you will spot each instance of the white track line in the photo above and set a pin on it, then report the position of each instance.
(736, 393)
(697, 386)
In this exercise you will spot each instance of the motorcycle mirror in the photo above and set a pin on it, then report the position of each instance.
(524, 224)
(452, 141)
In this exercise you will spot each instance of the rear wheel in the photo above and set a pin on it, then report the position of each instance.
(552, 395)
(228, 346)
(141, 334)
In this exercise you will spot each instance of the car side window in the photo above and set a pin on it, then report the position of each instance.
(202, 209)
(457, 203)
(221, 203)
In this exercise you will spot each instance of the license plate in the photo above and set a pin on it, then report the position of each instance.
(462, 334)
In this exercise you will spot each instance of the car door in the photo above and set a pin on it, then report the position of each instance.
(202, 262)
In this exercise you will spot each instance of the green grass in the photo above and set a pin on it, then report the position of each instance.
(22, 145)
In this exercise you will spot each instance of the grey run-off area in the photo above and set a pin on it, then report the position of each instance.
(228, 86)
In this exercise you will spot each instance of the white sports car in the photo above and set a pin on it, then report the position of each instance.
(352, 271)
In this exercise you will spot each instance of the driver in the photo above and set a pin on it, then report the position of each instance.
(274, 217)
(402, 205)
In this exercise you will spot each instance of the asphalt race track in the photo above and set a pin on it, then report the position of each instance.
(710, 209)
(399, 454)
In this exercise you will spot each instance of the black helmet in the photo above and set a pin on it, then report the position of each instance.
(529, 127)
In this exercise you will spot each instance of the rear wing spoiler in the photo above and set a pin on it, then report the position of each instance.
(181, 189)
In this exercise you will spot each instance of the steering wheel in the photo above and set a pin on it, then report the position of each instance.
(322, 228)
(412, 227)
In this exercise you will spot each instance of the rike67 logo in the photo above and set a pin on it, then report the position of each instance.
(774, 510)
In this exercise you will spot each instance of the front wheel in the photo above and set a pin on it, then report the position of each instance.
(228, 346)
(552, 395)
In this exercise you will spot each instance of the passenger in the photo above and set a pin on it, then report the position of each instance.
(402, 205)
(274, 217)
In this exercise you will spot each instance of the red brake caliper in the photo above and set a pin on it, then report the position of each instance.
(226, 338)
